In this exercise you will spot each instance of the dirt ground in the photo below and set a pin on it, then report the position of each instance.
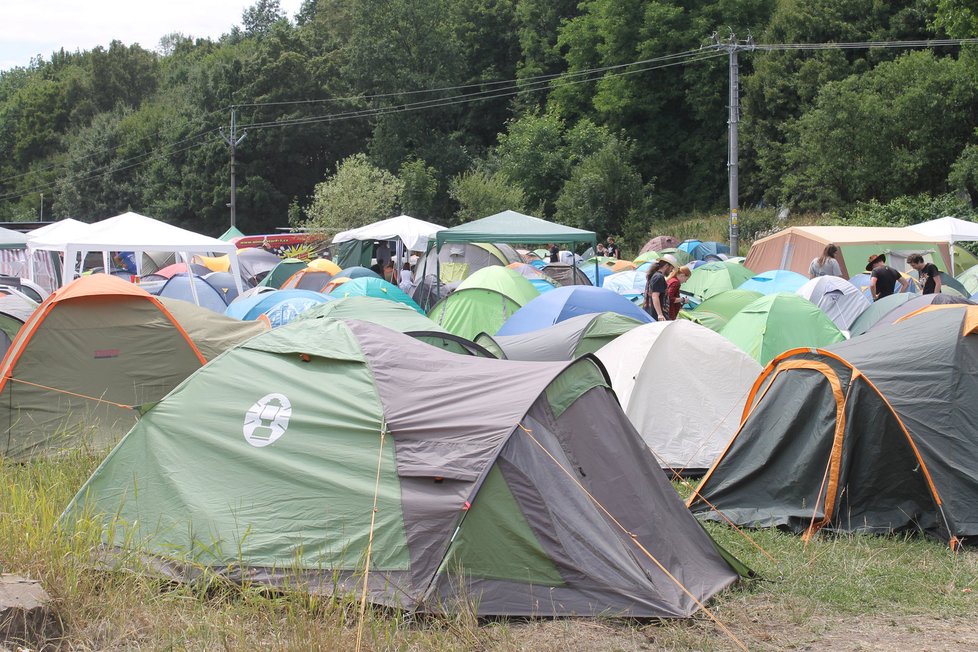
(767, 627)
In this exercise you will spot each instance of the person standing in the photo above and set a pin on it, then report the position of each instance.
(929, 275)
(884, 280)
(656, 301)
(676, 301)
(405, 281)
(826, 264)
(612, 249)
(554, 253)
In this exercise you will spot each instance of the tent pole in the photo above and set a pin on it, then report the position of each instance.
(190, 275)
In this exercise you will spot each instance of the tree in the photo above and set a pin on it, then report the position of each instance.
(259, 17)
(420, 188)
(606, 194)
(895, 130)
(964, 173)
(356, 195)
(480, 193)
(784, 85)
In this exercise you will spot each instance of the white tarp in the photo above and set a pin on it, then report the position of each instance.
(690, 385)
(138, 233)
(414, 233)
(54, 236)
(949, 229)
(840, 300)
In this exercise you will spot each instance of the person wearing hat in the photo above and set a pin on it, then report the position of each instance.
(884, 279)
(656, 302)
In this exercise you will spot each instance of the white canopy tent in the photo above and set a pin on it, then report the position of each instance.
(951, 229)
(410, 233)
(131, 232)
(414, 233)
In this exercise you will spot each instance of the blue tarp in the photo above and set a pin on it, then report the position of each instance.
(566, 302)
(280, 306)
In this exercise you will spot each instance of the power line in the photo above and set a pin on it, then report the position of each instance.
(417, 106)
(516, 81)
(501, 88)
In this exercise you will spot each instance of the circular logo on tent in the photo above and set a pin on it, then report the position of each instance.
(267, 420)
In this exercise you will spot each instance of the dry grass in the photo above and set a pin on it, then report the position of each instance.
(836, 592)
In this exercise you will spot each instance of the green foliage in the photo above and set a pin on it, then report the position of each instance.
(480, 193)
(357, 194)
(120, 126)
(964, 174)
(605, 194)
(894, 130)
(905, 210)
(784, 85)
(420, 188)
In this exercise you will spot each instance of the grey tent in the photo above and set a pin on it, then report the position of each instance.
(532, 498)
(566, 274)
(565, 340)
(876, 434)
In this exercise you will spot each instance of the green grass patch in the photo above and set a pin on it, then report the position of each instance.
(809, 589)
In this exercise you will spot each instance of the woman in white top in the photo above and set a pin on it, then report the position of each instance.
(404, 279)
(826, 264)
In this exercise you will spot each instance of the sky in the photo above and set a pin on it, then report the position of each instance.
(32, 27)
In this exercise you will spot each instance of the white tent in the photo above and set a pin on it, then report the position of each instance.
(840, 300)
(950, 229)
(54, 236)
(414, 233)
(136, 233)
(689, 384)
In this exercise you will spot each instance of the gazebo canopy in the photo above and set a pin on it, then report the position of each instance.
(510, 226)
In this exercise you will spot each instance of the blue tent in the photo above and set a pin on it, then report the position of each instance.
(367, 286)
(689, 246)
(597, 274)
(775, 280)
(208, 296)
(356, 272)
(628, 284)
(710, 251)
(224, 282)
(280, 306)
(566, 302)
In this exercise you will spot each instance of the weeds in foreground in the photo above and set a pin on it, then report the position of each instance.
(808, 590)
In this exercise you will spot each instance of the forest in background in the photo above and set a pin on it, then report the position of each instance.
(609, 115)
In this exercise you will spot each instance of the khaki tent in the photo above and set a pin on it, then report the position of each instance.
(795, 247)
(88, 358)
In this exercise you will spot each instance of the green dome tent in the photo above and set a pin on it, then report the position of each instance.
(565, 340)
(715, 312)
(777, 322)
(283, 272)
(471, 488)
(483, 302)
(713, 278)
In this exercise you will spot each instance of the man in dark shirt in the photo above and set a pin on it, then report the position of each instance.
(884, 278)
(612, 249)
(554, 253)
(929, 275)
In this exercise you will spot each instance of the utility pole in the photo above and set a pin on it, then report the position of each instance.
(733, 47)
(42, 206)
(233, 141)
